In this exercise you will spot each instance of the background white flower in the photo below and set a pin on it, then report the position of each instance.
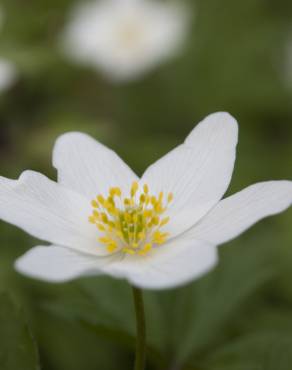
(125, 38)
(7, 74)
(197, 173)
(286, 67)
(7, 69)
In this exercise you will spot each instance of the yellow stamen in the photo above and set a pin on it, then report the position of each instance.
(142, 198)
(100, 199)
(112, 247)
(94, 204)
(164, 221)
(91, 219)
(131, 225)
(118, 192)
(134, 189)
(146, 189)
(147, 248)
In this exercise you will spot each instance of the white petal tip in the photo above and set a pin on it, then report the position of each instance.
(223, 118)
(21, 266)
(71, 135)
(50, 264)
(218, 123)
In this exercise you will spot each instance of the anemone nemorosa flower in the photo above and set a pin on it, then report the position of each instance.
(125, 38)
(7, 74)
(158, 231)
(7, 69)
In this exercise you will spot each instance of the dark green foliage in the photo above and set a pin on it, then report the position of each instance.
(17, 346)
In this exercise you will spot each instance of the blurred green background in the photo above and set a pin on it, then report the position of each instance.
(239, 317)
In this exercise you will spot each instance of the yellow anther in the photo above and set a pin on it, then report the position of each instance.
(146, 249)
(118, 192)
(127, 202)
(164, 221)
(91, 219)
(158, 208)
(134, 189)
(128, 251)
(170, 198)
(159, 238)
(119, 234)
(111, 224)
(101, 227)
(112, 210)
(112, 192)
(148, 213)
(94, 204)
(146, 189)
(142, 198)
(104, 240)
(104, 218)
(100, 199)
(155, 220)
(95, 214)
(153, 200)
(112, 247)
(141, 235)
(110, 200)
(128, 217)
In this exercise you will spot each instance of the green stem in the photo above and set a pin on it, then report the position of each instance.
(140, 360)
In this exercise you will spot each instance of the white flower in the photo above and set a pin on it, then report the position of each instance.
(125, 38)
(157, 232)
(7, 69)
(286, 67)
(7, 74)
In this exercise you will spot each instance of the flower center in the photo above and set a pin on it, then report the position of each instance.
(130, 33)
(131, 224)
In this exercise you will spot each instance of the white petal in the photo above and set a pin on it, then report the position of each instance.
(48, 211)
(178, 262)
(235, 214)
(58, 264)
(88, 167)
(197, 172)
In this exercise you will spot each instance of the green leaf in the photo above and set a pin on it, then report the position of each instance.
(105, 307)
(101, 301)
(17, 346)
(206, 308)
(267, 350)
